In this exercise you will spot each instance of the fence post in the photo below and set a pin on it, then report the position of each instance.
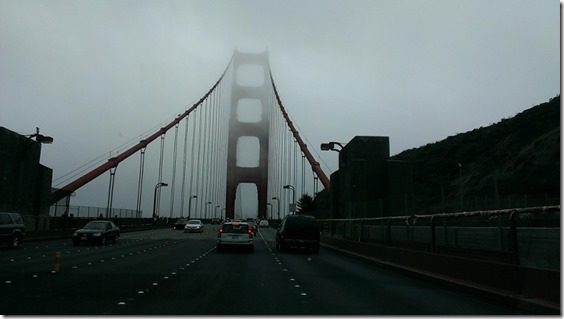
(514, 240)
(433, 236)
(389, 232)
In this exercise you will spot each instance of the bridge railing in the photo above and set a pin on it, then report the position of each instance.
(526, 236)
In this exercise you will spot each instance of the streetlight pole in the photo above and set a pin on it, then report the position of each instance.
(460, 182)
(161, 184)
(190, 204)
(293, 197)
(278, 202)
(207, 206)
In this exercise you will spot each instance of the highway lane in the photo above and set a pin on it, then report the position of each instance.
(166, 272)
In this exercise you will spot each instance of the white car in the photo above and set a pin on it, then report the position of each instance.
(194, 226)
(263, 223)
(235, 234)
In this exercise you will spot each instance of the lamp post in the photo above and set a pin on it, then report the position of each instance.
(207, 206)
(460, 185)
(270, 205)
(293, 207)
(40, 138)
(331, 146)
(277, 201)
(190, 204)
(161, 184)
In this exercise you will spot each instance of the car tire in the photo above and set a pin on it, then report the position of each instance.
(15, 242)
(251, 249)
(218, 248)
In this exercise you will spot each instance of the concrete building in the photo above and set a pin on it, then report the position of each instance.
(368, 183)
(25, 185)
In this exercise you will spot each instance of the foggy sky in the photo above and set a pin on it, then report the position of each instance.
(97, 74)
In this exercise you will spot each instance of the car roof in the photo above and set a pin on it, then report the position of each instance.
(300, 216)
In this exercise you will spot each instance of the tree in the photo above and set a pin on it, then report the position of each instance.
(305, 204)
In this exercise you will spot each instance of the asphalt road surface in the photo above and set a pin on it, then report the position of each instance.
(167, 272)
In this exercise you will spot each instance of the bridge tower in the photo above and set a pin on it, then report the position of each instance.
(257, 130)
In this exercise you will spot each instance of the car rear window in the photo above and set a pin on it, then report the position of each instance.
(5, 219)
(302, 225)
(17, 219)
(96, 225)
(235, 228)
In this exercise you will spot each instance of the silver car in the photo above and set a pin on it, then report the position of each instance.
(194, 226)
(235, 234)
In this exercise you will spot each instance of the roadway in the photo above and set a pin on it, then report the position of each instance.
(166, 272)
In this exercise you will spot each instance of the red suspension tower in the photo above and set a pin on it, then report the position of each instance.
(237, 129)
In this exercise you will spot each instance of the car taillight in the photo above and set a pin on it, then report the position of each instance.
(219, 232)
(250, 232)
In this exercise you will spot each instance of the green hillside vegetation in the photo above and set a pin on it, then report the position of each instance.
(513, 163)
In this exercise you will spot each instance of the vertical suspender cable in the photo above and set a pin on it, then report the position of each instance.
(158, 200)
(212, 155)
(140, 182)
(270, 157)
(304, 191)
(199, 141)
(296, 169)
(192, 160)
(216, 144)
(111, 191)
(174, 152)
(206, 175)
(184, 160)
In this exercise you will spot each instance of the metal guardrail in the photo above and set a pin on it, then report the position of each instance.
(524, 236)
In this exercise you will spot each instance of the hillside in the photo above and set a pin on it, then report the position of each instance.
(513, 163)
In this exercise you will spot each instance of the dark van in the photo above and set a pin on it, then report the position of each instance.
(298, 231)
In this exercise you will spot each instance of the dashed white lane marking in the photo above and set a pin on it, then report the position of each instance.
(8, 281)
(35, 276)
(121, 303)
(303, 294)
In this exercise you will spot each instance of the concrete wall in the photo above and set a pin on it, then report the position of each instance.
(368, 183)
(25, 185)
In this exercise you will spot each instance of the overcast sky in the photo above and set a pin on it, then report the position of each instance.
(96, 74)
